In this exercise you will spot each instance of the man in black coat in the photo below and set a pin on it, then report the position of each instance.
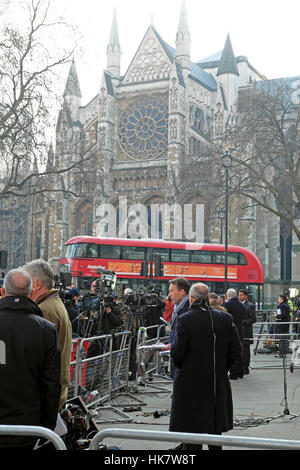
(179, 295)
(282, 327)
(247, 328)
(30, 368)
(205, 345)
(239, 314)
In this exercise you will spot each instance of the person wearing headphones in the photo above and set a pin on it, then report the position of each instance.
(205, 344)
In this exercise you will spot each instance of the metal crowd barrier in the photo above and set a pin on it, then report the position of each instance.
(37, 431)
(161, 436)
(270, 347)
(149, 362)
(209, 439)
(99, 372)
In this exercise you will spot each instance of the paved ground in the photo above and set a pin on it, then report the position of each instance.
(258, 403)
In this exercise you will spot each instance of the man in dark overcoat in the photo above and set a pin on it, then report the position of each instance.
(239, 314)
(282, 326)
(247, 328)
(179, 295)
(205, 345)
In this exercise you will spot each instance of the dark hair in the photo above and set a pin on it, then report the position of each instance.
(283, 297)
(213, 295)
(181, 283)
(244, 291)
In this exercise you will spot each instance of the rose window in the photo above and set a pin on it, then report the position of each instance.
(143, 128)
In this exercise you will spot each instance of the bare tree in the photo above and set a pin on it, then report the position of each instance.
(264, 142)
(29, 71)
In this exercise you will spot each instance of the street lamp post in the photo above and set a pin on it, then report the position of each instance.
(221, 217)
(226, 162)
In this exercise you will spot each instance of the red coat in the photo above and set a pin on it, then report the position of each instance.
(167, 315)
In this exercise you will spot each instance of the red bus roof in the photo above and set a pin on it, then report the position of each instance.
(157, 243)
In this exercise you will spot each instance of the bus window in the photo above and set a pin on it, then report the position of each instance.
(218, 258)
(201, 257)
(163, 252)
(93, 250)
(110, 252)
(69, 251)
(81, 250)
(133, 252)
(182, 256)
(233, 258)
(243, 259)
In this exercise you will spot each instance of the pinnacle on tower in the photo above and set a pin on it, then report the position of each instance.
(72, 86)
(114, 35)
(183, 32)
(183, 39)
(114, 49)
(228, 60)
(50, 159)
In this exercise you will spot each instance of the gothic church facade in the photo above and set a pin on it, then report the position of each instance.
(146, 127)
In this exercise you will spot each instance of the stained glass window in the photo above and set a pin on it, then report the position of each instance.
(143, 128)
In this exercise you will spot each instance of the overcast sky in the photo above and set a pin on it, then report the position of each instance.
(266, 31)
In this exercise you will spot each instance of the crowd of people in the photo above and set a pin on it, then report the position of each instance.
(209, 345)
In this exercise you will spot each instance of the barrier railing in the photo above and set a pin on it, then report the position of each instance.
(209, 439)
(148, 359)
(271, 342)
(94, 368)
(36, 431)
(74, 369)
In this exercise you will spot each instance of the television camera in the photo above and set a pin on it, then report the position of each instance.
(61, 283)
(103, 298)
(142, 298)
(105, 285)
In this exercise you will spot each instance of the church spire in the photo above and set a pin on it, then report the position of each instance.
(228, 60)
(72, 93)
(183, 40)
(72, 86)
(114, 49)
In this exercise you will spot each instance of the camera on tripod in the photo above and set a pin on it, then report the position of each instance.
(61, 282)
(105, 285)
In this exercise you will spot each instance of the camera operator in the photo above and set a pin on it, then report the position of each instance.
(71, 303)
(154, 309)
(110, 316)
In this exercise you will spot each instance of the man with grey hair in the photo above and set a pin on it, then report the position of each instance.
(53, 309)
(205, 345)
(29, 362)
(239, 314)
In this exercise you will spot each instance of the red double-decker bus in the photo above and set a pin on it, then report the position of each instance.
(83, 255)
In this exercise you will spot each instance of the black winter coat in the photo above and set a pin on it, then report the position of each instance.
(248, 322)
(29, 370)
(202, 399)
(184, 308)
(238, 312)
(282, 316)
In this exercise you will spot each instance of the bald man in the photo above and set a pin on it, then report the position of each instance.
(205, 345)
(29, 362)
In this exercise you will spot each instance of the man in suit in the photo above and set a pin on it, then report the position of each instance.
(247, 327)
(179, 295)
(238, 312)
(205, 345)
